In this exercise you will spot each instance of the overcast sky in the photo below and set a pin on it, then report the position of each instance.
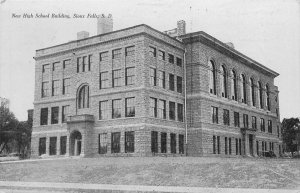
(266, 31)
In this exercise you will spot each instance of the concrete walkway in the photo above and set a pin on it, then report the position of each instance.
(5, 185)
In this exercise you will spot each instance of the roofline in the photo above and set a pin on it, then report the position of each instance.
(211, 38)
(112, 32)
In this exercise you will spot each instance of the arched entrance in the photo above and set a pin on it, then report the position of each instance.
(75, 143)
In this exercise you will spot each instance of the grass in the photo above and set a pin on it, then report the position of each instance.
(170, 171)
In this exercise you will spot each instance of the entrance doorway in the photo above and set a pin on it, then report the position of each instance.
(251, 144)
(75, 143)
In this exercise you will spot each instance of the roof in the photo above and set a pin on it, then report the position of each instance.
(202, 36)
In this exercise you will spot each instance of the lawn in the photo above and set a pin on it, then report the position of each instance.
(169, 171)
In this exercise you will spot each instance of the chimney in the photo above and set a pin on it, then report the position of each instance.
(181, 27)
(104, 24)
(82, 35)
(230, 44)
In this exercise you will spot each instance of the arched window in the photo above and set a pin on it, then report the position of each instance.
(223, 82)
(268, 97)
(83, 97)
(260, 95)
(233, 85)
(252, 91)
(212, 77)
(243, 89)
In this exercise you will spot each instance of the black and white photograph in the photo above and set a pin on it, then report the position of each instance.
(189, 96)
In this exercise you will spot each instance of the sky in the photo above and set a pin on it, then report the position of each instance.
(264, 30)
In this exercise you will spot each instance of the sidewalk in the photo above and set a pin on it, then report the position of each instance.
(131, 188)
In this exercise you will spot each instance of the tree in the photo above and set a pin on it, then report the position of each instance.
(289, 133)
(8, 125)
(14, 135)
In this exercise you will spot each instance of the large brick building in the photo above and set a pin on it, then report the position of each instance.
(141, 92)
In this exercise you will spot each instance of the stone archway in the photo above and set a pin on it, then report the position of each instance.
(75, 143)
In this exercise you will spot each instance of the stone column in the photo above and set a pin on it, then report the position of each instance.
(68, 145)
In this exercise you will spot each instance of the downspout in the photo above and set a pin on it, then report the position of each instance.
(185, 102)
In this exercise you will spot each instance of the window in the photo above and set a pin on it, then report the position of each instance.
(115, 142)
(245, 120)
(83, 97)
(130, 107)
(103, 56)
(45, 89)
(212, 77)
(161, 79)
(214, 144)
(66, 86)
(46, 68)
(172, 110)
(240, 146)
(163, 141)
(223, 82)
(226, 118)
(116, 54)
(42, 146)
(65, 113)
(130, 76)
(218, 144)
(260, 94)
(278, 131)
(181, 144)
(269, 126)
(44, 116)
(84, 64)
(257, 147)
(117, 78)
(66, 64)
(161, 55)
(154, 145)
(226, 152)
(54, 115)
(152, 51)
(55, 87)
(233, 85)
(262, 125)
(78, 64)
(104, 83)
(102, 143)
(171, 58)
(229, 144)
(236, 146)
(90, 62)
(243, 89)
(129, 51)
(103, 110)
(116, 108)
(171, 82)
(252, 91)
(129, 142)
(173, 143)
(152, 77)
(63, 145)
(55, 66)
(52, 145)
(180, 112)
(179, 61)
(214, 114)
(179, 84)
(153, 107)
(268, 98)
(254, 123)
(277, 113)
(162, 109)
(236, 119)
